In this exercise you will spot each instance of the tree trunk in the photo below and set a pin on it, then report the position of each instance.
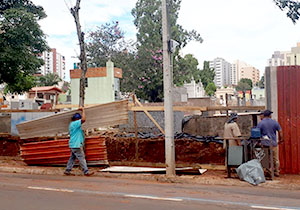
(82, 57)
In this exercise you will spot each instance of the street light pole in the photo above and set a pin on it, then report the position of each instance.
(168, 103)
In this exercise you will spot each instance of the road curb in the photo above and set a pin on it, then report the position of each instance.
(37, 171)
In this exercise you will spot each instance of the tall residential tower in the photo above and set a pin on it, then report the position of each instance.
(54, 63)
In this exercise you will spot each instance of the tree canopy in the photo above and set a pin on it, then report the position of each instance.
(141, 62)
(49, 79)
(207, 75)
(244, 84)
(291, 6)
(148, 68)
(261, 82)
(210, 89)
(21, 41)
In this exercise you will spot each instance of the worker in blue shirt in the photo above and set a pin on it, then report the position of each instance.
(269, 129)
(76, 144)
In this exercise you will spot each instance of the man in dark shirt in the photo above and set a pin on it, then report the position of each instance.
(268, 128)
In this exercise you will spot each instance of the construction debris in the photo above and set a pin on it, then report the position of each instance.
(109, 114)
(128, 169)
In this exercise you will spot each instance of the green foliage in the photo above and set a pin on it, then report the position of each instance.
(21, 41)
(189, 64)
(27, 5)
(292, 8)
(142, 63)
(107, 42)
(244, 84)
(22, 84)
(210, 89)
(148, 72)
(49, 79)
(261, 82)
(207, 75)
(66, 87)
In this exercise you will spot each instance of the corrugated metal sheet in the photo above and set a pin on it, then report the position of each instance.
(288, 84)
(57, 152)
(109, 114)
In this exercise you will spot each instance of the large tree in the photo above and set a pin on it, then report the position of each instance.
(148, 72)
(21, 41)
(244, 84)
(108, 42)
(207, 74)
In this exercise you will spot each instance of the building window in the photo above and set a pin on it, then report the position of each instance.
(86, 82)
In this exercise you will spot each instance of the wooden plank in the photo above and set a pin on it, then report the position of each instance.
(195, 108)
(27, 110)
(103, 115)
(150, 117)
(70, 106)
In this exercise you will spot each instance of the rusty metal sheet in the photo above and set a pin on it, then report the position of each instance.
(103, 115)
(288, 87)
(57, 152)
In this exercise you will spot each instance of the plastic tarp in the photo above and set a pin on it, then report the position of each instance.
(251, 172)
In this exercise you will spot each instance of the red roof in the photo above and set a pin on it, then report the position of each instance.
(45, 89)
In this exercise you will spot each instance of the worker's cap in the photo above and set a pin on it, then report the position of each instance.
(76, 116)
(267, 113)
(233, 115)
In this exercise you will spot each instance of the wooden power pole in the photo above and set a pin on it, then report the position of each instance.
(168, 86)
(82, 57)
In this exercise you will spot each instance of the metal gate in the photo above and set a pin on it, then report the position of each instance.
(288, 87)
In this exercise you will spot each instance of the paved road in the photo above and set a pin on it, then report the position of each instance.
(42, 192)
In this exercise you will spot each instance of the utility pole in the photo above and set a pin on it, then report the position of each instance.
(168, 86)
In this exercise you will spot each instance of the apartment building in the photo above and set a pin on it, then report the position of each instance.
(250, 72)
(54, 63)
(236, 68)
(286, 58)
(279, 58)
(293, 57)
(222, 70)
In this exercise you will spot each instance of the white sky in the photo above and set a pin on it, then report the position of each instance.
(248, 30)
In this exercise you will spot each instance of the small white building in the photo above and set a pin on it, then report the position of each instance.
(258, 93)
(221, 94)
(194, 90)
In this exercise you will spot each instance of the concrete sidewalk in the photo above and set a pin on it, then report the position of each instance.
(211, 177)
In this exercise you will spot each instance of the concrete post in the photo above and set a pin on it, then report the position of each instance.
(168, 103)
(111, 78)
(271, 91)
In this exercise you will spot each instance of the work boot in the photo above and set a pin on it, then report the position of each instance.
(67, 173)
(89, 174)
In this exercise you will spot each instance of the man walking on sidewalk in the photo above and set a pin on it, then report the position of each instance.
(268, 128)
(76, 144)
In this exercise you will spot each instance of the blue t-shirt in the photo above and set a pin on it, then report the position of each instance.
(268, 127)
(76, 134)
